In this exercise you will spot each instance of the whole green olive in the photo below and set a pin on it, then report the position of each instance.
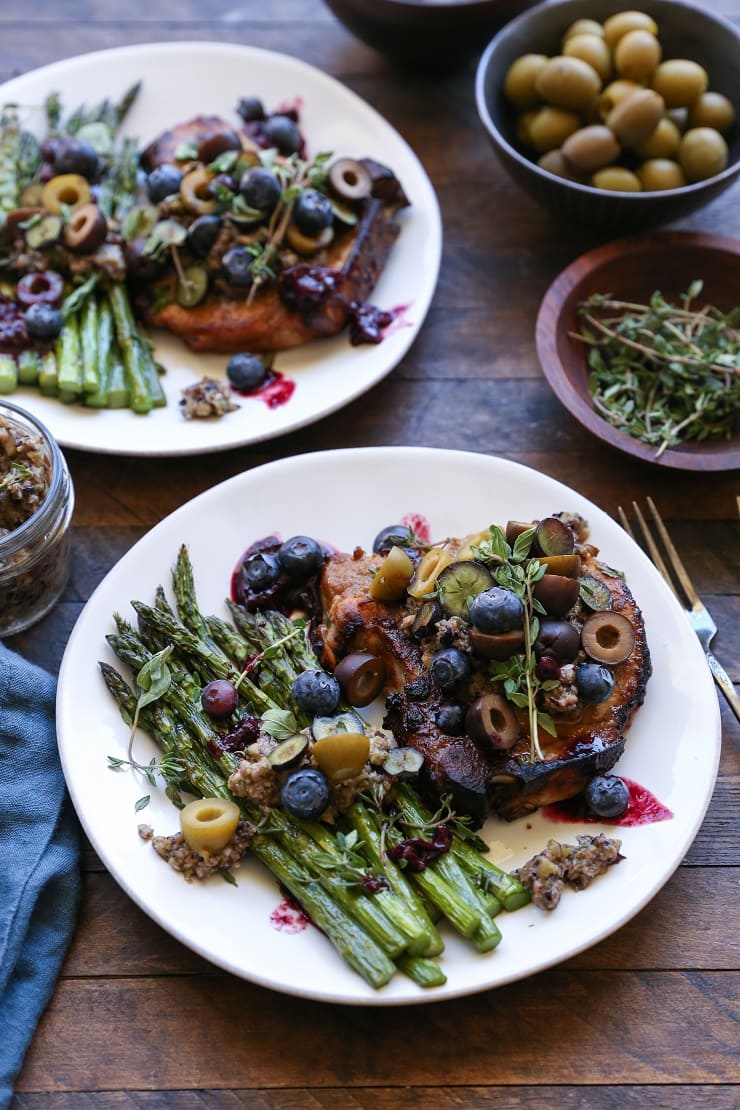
(584, 27)
(591, 49)
(712, 109)
(616, 179)
(551, 127)
(519, 81)
(680, 82)
(679, 116)
(658, 174)
(637, 55)
(620, 24)
(702, 154)
(523, 125)
(636, 117)
(567, 82)
(663, 143)
(614, 93)
(554, 162)
(590, 148)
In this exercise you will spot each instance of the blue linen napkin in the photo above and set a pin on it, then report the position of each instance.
(39, 859)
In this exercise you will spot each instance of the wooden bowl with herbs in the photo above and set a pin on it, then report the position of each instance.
(640, 340)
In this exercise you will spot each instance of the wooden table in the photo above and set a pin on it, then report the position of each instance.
(647, 1017)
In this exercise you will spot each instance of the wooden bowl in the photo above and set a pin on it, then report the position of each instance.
(631, 270)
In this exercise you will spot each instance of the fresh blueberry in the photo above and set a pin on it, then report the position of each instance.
(261, 570)
(607, 796)
(237, 267)
(246, 372)
(163, 181)
(316, 692)
(282, 132)
(72, 155)
(312, 212)
(202, 235)
(305, 794)
(594, 683)
(395, 535)
(250, 108)
(451, 720)
(260, 189)
(44, 322)
(300, 556)
(496, 610)
(449, 666)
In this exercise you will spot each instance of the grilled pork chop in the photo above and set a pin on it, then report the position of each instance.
(313, 298)
(507, 783)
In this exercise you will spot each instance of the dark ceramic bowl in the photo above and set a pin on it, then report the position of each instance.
(439, 33)
(631, 270)
(684, 32)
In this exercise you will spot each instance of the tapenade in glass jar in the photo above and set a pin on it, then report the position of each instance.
(36, 504)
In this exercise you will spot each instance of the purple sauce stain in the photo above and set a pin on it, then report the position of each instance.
(643, 809)
(288, 918)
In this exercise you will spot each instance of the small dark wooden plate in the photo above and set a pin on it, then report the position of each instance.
(631, 270)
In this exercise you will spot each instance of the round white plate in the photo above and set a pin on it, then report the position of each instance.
(345, 497)
(181, 80)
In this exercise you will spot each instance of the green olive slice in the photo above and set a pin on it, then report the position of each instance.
(342, 755)
(66, 190)
(608, 637)
(208, 824)
(567, 565)
(392, 577)
(361, 677)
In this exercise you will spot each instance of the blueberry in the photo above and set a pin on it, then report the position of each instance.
(261, 570)
(72, 155)
(282, 132)
(237, 266)
(163, 181)
(202, 235)
(250, 108)
(607, 796)
(496, 610)
(449, 666)
(260, 189)
(305, 794)
(312, 212)
(594, 683)
(43, 321)
(300, 556)
(316, 692)
(246, 372)
(395, 535)
(451, 720)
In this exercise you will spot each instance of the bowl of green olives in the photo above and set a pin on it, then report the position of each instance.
(620, 119)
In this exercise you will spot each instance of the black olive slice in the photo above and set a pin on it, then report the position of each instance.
(567, 565)
(553, 537)
(218, 143)
(496, 645)
(349, 180)
(608, 637)
(556, 593)
(491, 720)
(427, 617)
(86, 230)
(361, 677)
(514, 529)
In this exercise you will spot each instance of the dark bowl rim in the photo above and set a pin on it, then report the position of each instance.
(693, 458)
(643, 198)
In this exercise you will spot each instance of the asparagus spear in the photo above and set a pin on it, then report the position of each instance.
(140, 396)
(8, 374)
(29, 365)
(94, 343)
(48, 376)
(69, 360)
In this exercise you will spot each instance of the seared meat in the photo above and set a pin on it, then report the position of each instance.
(508, 782)
(162, 149)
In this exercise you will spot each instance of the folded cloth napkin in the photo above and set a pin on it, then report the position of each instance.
(39, 859)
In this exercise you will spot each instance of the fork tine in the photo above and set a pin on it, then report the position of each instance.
(625, 523)
(673, 555)
(653, 549)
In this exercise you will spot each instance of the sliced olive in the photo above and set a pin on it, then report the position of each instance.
(218, 143)
(459, 583)
(608, 637)
(86, 230)
(139, 221)
(554, 537)
(208, 824)
(194, 192)
(289, 752)
(343, 213)
(330, 726)
(491, 720)
(556, 593)
(361, 677)
(392, 577)
(342, 755)
(308, 244)
(32, 195)
(45, 287)
(514, 529)
(559, 639)
(594, 593)
(567, 565)
(403, 762)
(193, 288)
(496, 645)
(45, 232)
(349, 180)
(426, 620)
(431, 566)
(66, 190)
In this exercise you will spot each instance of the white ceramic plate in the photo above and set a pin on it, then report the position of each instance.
(181, 80)
(673, 745)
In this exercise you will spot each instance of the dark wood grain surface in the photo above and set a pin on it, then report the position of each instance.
(647, 1018)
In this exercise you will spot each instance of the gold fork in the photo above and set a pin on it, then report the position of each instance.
(698, 615)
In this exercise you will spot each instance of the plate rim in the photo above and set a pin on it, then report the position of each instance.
(445, 993)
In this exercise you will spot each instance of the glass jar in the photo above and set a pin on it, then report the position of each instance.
(34, 554)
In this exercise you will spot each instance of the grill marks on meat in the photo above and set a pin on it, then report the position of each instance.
(506, 782)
